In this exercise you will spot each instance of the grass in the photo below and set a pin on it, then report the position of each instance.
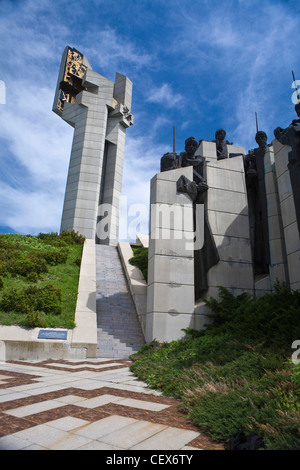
(32, 267)
(237, 374)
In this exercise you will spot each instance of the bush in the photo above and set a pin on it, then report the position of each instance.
(32, 277)
(36, 319)
(3, 268)
(273, 318)
(54, 257)
(77, 261)
(65, 238)
(72, 237)
(140, 260)
(21, 265)
(47, 299)
(16, 300)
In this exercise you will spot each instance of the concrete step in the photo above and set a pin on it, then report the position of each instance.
(119, 331)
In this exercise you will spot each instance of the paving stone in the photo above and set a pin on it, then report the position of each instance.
(132, 434)
(104, 407)
(168, 439)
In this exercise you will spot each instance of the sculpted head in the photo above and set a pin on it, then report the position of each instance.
(220, 134)
(261, 138)
(191, 145)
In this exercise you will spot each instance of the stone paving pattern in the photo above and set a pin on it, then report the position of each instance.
(119, 331)
(95, 404)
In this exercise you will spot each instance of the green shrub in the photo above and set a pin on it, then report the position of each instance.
(72, 237)
(22, 265)
(77, 261)
(54, 257)
(140, 259)
(36, 319)
(1, 282)
(273, 318)
(47, 299)
(15, 300)
(32, 277)
(65, 238)
(3, 268)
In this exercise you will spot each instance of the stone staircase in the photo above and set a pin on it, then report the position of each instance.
(118, 328)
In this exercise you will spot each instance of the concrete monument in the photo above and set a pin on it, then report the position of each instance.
(99, 111)
(181, 273)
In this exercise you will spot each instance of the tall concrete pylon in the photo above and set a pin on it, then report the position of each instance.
(99, 111)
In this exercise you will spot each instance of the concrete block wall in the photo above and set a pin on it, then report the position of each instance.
(170, 291)
(227, 209)
(278, 264)
(288, 213)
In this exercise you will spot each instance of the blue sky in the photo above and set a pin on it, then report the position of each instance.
(196, 65)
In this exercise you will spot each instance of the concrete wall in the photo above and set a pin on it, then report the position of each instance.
(288, 213)
(170, 292)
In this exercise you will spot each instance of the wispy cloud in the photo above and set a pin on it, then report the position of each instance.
(111, 49)
(165, 96)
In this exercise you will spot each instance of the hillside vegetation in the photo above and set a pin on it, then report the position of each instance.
(39, 279)
(238, 374)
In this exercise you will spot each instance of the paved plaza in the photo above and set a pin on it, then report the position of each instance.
(95, 404)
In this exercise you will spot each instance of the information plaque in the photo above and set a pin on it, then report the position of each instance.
(52, 334)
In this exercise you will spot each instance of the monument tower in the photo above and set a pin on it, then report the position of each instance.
(99, 111)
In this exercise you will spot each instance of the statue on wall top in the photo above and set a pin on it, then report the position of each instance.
(188, 158)
(169, 161)
(257, 203)
(196, 188)
(221, 144)
(291, 136)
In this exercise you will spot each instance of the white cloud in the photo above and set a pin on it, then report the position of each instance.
(30, 211)
(165, 96)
